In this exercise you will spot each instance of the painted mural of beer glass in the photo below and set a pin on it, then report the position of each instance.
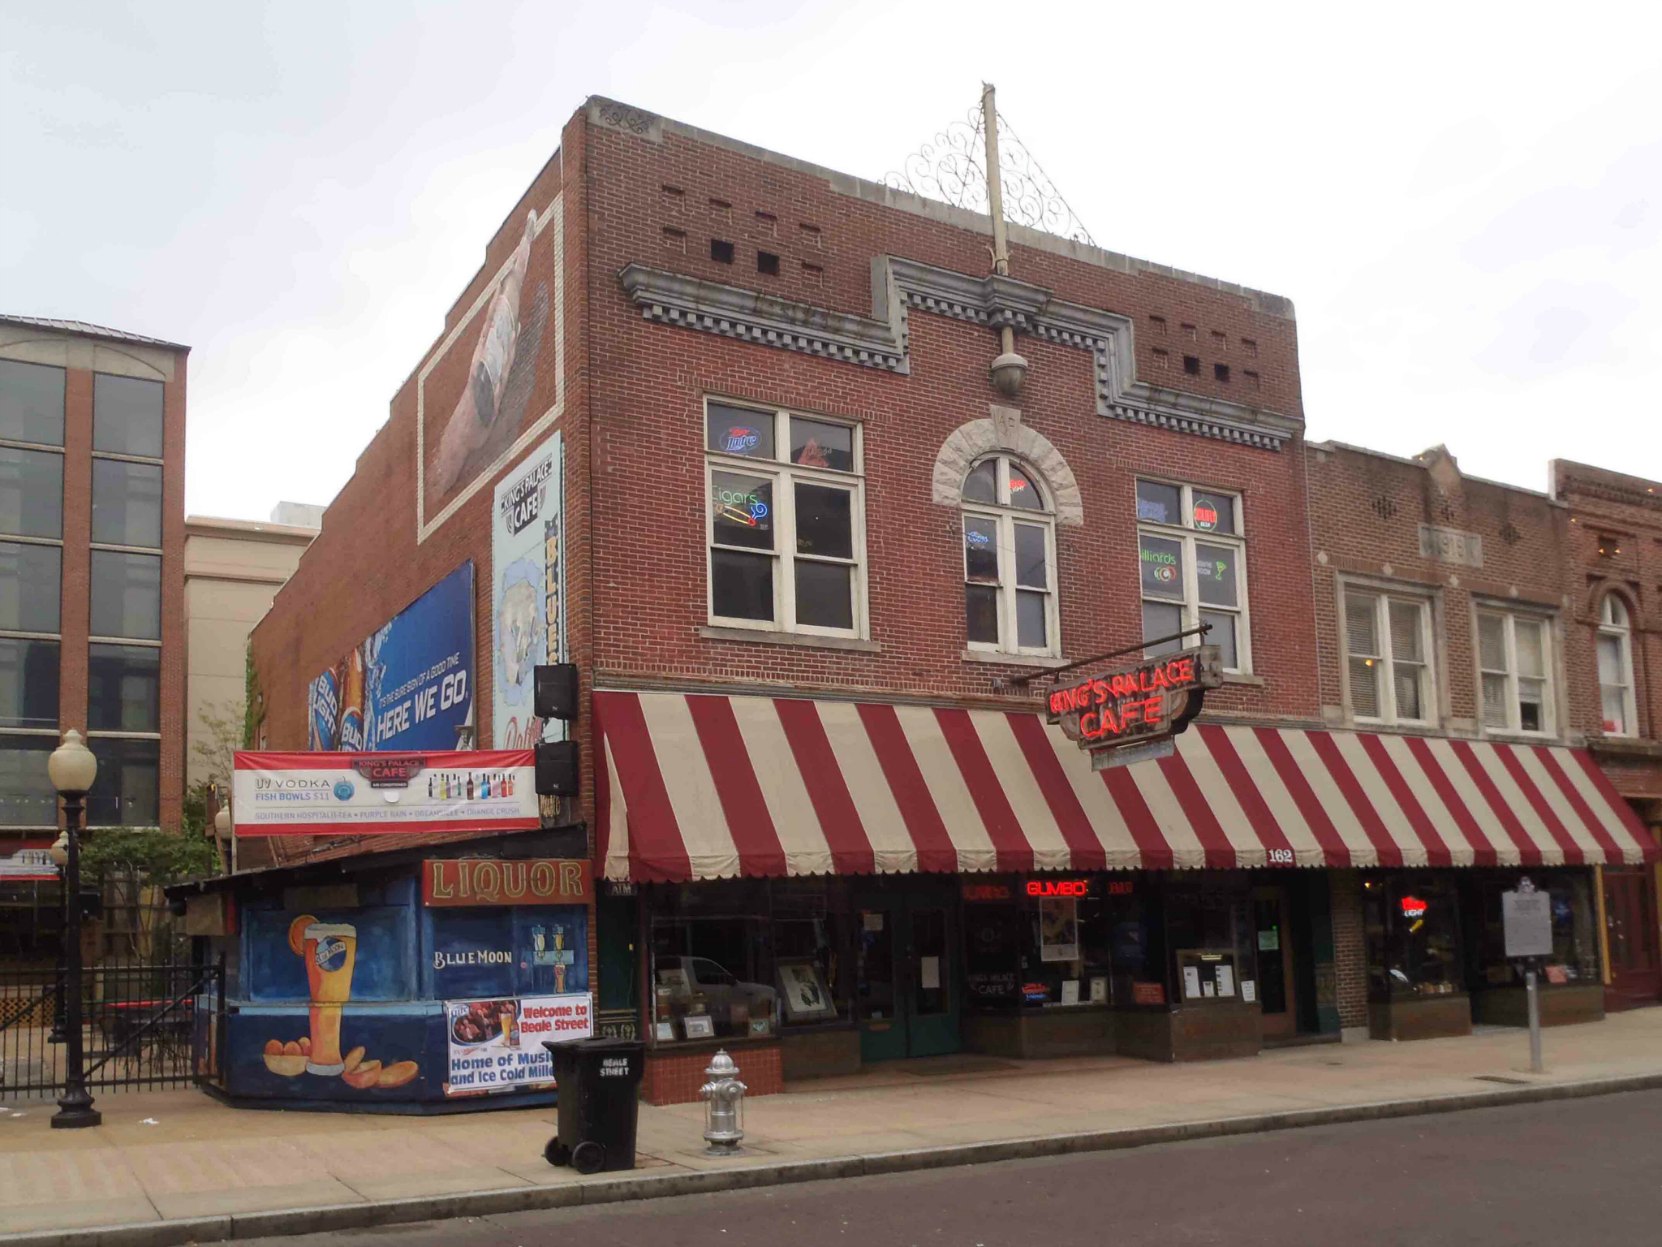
(331, 952)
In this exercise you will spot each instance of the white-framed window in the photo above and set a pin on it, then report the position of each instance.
(1387, 657)
(1191, 548)
(786, 521)
(1009, 561)
(1615, 655)
(1514, 659)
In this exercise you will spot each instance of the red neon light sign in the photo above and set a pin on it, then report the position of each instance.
(1058, 887)
(1413, 907)
(1135, 703)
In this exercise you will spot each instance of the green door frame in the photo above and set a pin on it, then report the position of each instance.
(916, 1020)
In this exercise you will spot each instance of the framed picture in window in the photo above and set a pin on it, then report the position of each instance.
(804, 991)
(699, 1026)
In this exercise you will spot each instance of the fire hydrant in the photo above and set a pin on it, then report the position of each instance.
(724, 1106)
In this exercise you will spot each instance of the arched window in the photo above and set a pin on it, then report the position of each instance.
(1615, 650)
(1009, 560)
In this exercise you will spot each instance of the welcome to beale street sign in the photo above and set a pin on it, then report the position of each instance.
(1142, 704)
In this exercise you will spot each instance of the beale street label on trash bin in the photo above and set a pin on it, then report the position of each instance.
(497, 1045)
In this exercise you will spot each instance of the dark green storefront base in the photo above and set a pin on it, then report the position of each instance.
(1561, 1005)
(1071, 1032)
(1435, 1017)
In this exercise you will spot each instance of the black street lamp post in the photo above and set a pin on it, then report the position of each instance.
(72, 769)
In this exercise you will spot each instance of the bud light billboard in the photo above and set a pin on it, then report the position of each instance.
(409, 685)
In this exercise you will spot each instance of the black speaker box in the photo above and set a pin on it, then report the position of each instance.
(555, 695)
(557, 768)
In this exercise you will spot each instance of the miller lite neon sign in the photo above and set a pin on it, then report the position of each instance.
(1152, 699)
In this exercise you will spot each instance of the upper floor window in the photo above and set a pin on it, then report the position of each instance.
(126, 595)
(1009, 561)
(126, 503)
(1514, 661)
(1192, 552)
(127, 416)
(31, 492)
(1615, 654)
(786, 526)
(1387, 639)
(31, 403)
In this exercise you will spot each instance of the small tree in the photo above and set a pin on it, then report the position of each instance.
(213, 750)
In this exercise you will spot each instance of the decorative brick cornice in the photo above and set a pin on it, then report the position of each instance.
(752, 317)
(883, 340)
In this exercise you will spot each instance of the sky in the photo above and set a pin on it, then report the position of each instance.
(1463, 200)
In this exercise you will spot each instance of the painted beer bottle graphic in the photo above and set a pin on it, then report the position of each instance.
(352, 736)
(330, 952)
(493, 359)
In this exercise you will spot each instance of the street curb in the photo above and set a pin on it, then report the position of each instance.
(608, 1189)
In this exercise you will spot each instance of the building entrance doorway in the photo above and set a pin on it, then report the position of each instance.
(906, 973)
(1277, 984)
(1630, 928)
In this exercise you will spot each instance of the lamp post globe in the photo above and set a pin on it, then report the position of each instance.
(59, 852)
(71, 766)
(222, 824)
(72, 770)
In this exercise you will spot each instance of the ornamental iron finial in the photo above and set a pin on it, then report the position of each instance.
(951, 168)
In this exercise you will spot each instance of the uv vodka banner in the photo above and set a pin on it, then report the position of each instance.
(407, 686)
(314, 794)
(527, 593)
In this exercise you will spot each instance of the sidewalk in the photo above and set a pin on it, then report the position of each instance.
(174, 1167)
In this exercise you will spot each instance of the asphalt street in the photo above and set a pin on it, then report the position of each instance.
(1577, 1173)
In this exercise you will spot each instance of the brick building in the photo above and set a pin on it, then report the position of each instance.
(92, 482)
(818, 572)
(1443, 619)
(1613, 635)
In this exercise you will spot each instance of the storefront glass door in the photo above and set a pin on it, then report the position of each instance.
(1630, 924)
(905, 977)
(1276, 984)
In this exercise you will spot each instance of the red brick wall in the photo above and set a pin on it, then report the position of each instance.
(1365, 512)
(366, 564)
(75, 604)
(648, 381)
(1605, 505)
(1350, 954)
(634, 499)
(675, 1077)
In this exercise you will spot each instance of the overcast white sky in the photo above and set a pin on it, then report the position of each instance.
(1463, 200)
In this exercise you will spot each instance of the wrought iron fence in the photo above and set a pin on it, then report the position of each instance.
(144, 1024)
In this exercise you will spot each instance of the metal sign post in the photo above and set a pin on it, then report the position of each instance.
(1526, 918)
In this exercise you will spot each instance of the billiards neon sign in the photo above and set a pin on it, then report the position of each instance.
(1146, 701)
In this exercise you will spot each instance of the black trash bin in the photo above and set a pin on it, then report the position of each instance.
(598, 1081)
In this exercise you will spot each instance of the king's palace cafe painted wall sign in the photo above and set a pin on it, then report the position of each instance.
(490, 881)
(1141, 704)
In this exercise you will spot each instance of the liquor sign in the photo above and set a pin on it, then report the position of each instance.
(488, 881)
(409, 685)
(1139, 704)
(319, 794)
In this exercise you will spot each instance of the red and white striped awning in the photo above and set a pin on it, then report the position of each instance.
(693, 786)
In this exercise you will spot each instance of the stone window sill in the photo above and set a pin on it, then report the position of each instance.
(805, 640)
(1011, 660)
(1244, 678)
